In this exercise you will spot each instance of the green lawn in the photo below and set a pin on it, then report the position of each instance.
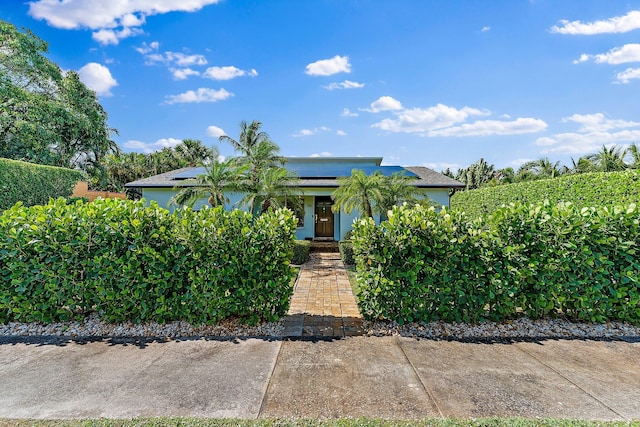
(343, 422)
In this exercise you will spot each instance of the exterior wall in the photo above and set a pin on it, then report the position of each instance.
(439, 195)
(342, 221)
(82, 190)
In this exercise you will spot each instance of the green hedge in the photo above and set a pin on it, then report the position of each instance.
(346, 252)
(538, 261)
(300, 251)
(130, 262)
(590, 189)
(34, 184)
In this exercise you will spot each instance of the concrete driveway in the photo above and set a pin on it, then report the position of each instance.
(387, 377)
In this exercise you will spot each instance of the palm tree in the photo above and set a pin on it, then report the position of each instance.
(476, 175)
(256, 148)
(274, 188)
(395, 190)
(583, 165)
(540, 169)
(634, 151)
(358, 191)
(193, 152)
(608, 159)
(506, 175)
(220, 178)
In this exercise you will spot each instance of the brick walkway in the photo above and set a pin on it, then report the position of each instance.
(323, 303)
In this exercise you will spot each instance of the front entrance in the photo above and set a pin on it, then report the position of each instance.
(324, 217)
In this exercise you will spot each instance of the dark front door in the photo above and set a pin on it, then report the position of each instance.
(324, 217)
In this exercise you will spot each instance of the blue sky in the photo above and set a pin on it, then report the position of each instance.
(435, 83)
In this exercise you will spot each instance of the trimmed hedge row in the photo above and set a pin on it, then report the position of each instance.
(589, 189)
(34, 184)
(130, 262)
(544, 260)
(346, 252)
(301, 250)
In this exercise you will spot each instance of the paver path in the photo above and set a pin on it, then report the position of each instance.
(323, 303)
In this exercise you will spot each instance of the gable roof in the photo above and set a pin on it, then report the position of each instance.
(315, 175)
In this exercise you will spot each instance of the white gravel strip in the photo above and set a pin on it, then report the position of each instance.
(519, 328)
(92, 326)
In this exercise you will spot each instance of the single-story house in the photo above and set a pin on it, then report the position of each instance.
(317, 180)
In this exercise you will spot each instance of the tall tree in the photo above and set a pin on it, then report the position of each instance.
(539, 169)
(194, 152)
(633, 151)
(266, 182)
(583, 165)
(608, 159)
(358, 191)
(255, 147)
(220, 178)
(47, 116)
(476, 175)
(275, 188)
(395, 190)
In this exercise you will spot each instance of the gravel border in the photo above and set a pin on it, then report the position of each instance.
(522, 328)
(512, 329)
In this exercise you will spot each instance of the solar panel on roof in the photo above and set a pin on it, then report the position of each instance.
(316, 171)
(335, 171)
(190, 173)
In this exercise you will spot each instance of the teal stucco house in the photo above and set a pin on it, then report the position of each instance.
(317, 180)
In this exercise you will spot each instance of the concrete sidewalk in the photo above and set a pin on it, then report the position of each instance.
(349, 377)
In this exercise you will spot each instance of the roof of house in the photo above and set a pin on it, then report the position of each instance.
(316, 176)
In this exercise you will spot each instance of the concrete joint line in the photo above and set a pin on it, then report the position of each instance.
(265, 390)
(424, 386)
(572, 382)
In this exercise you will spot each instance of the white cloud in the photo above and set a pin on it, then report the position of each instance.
(183, 73)
(309, 132)
(341, 133)
(183, 60)
(200, 95)
(170, 58)
(598, 122)
(112, 20)
(131, 20)
(443, 121)
(485, 29)
(347, 113)
(215, 131)
(108, 36)
(591, 135)
(227, 73)
(493, 127)
(582, 143)
(618, 24)
(97, 77)
(618, 55)
(384, 103)
(150, 147)
(418, 120)
(329, 67)
(323, 154)
(304, 132)
(147, 48)
(628, 74)
(347, 84)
